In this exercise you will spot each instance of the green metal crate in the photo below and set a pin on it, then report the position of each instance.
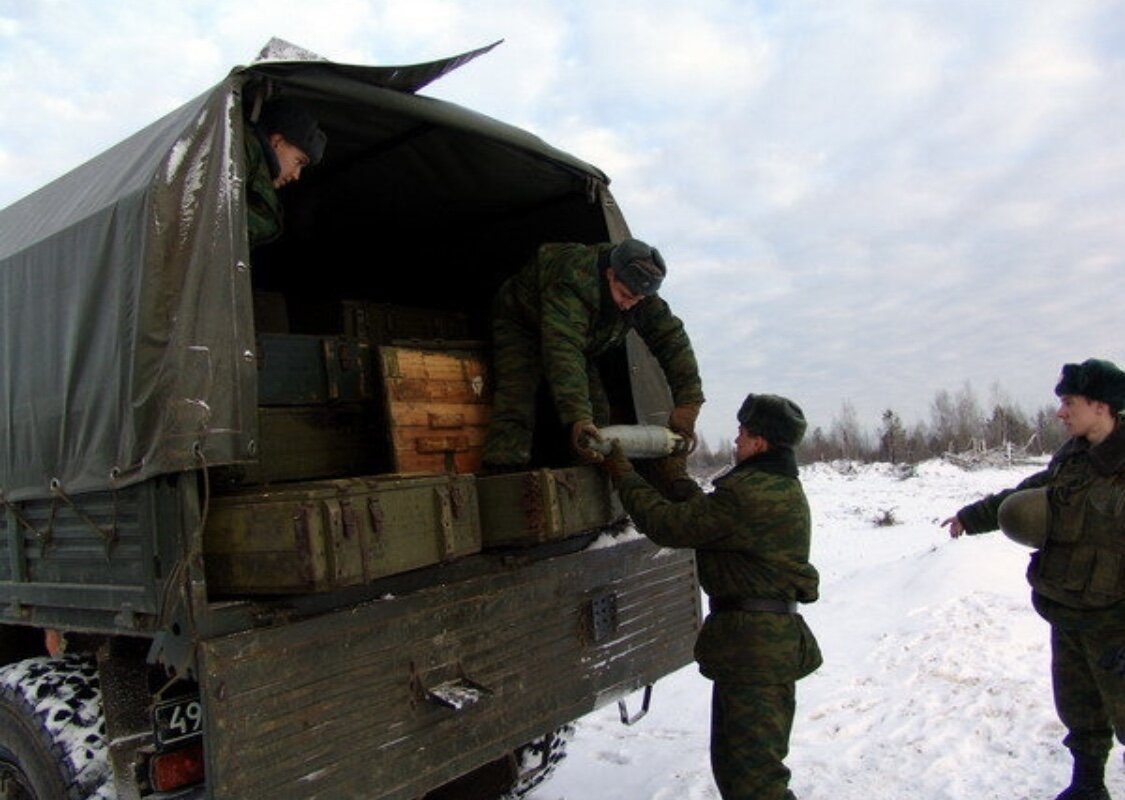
(326, 535)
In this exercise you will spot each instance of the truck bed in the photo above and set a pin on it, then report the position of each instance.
(335, 706)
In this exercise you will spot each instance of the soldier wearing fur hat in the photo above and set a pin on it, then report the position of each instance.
(1073, 513)
(751, 535)
(282, 141)
(571, 304)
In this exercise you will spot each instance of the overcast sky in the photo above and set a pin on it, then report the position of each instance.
(860, 201)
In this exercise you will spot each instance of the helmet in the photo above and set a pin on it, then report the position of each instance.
(1024, 517)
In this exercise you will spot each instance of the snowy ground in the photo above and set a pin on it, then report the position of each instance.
(935, 684)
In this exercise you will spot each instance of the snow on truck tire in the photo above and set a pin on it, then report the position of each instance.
(52, 731)
(538, 759)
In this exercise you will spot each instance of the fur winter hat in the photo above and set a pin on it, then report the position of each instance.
(297, 126)
(1094, 379)
(779, 420)
(638, 266)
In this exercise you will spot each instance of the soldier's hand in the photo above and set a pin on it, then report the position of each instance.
(616, 464)
(1113, 659)
(581, 433)
(682, 421)
(672, 477)
(954, 525)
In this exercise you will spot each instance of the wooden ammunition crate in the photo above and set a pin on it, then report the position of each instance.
(524, 508)
(438, 404)
(324, 535)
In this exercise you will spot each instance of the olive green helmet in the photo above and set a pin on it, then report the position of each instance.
(1024, 517)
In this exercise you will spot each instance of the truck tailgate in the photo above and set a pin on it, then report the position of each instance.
(337, 706)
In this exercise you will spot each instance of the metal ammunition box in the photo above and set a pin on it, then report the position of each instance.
(324, 535)
(525, 508)
(310, 442)
(383, 323)
(295, 369)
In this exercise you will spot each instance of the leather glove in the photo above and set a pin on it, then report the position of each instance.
(616, 464)
(671, 468)
(1113, 659)
(580, 432)
(675, 482)
(682, 421)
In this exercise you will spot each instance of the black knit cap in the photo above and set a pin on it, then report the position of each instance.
(297, 125)
(779, 420)
(1094, 379)
(638, 266)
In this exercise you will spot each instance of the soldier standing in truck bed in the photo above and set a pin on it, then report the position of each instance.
(279, 145)
(1073, 513)
(570, 304)
(751, 536)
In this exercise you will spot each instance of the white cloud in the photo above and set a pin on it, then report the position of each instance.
(928, 191)
(690, 56)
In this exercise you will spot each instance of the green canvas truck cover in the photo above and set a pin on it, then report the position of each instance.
(126, 321)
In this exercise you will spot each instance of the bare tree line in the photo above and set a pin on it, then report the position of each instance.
(958, 424)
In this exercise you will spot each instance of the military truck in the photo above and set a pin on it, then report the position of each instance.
(248, 553)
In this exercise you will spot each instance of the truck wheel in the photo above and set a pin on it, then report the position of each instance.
(538, 759)
(52, 733)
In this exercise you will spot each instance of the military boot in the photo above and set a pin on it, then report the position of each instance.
(1087, 781)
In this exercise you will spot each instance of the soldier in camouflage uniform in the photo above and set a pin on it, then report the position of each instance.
(1077, 574)
(571, 304)
(285, 140)
(751, 537)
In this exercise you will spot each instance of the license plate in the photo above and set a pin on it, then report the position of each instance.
(178, 719)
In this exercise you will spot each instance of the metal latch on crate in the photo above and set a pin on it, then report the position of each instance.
(444, 509)
(345, 361)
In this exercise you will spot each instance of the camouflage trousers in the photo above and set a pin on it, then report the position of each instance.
(750, 726)
(1089, 698)
(518, 368)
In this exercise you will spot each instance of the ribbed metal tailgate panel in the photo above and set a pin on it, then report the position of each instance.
(328, 708)
(89, 554)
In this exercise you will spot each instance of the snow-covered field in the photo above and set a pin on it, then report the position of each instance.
(935, 684)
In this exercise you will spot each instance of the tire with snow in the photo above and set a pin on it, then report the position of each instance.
(538, 759)
(52, 731)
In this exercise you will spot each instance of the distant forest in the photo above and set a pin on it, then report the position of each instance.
(959, 425)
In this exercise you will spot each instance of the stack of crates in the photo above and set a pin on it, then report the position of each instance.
(369, 438)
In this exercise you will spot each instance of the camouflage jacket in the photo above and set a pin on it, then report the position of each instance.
(263, 207)
(561, 298)
(751, 535)
(1081, 568)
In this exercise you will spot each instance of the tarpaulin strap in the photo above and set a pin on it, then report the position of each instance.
(177, 587)
(260, 98)
(48, 534)
(43, 536)
(592, 190)
(108, 536)
(257, 110)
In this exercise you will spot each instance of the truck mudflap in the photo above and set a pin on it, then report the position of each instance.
(356, 703)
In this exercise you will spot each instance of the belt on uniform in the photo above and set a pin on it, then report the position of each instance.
(753, 604)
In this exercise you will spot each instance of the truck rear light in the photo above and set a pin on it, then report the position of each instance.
(176, 769)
